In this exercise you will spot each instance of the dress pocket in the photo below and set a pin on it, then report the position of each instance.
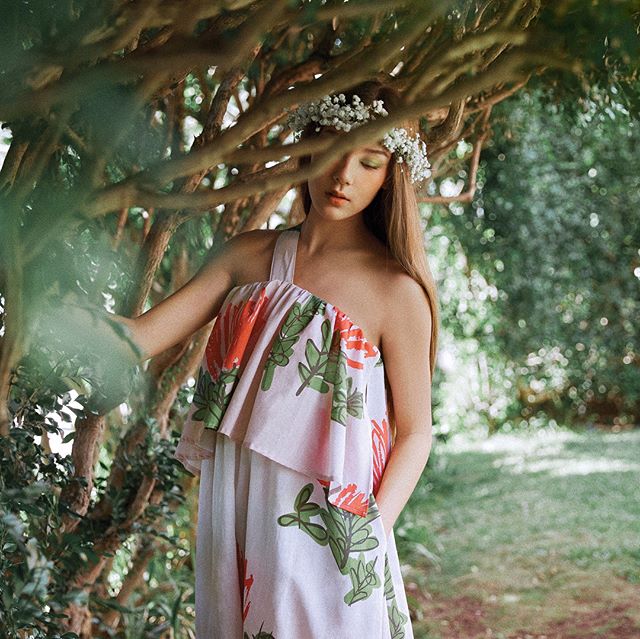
(378, 527)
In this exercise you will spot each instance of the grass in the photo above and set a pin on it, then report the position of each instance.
(526, 536)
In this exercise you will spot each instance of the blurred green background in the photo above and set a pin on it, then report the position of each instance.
(526, 522)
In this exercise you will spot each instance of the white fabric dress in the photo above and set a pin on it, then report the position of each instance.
(289, 432)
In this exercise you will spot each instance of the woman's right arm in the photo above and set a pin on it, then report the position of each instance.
(189, 308)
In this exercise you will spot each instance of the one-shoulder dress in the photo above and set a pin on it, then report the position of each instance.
(289, 432)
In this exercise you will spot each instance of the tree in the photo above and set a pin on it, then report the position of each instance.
(558, 211)
(142, 135)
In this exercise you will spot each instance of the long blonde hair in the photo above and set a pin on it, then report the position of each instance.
(393, 217)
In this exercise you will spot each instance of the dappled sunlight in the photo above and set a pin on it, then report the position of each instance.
(555, 452)
(534, 531)
(561, 466)
(545, 440)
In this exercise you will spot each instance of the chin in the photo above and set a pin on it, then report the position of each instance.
(331, 212)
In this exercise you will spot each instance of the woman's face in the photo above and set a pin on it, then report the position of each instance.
(357, 175)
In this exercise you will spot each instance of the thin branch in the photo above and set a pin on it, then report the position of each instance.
(135, 191)
(89, 432)
(266, 112)
(179, 55)
(147, 548)
(468, 195)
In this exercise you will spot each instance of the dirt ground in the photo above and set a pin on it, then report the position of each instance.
(464, 617)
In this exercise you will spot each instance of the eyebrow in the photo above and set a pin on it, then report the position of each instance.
(385, 153)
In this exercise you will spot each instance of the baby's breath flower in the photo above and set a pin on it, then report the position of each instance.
(334, 111)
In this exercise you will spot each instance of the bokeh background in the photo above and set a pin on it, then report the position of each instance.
(122, 168)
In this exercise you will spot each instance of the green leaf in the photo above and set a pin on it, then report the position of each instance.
(288, 520)
(303, 496)
(312, 353)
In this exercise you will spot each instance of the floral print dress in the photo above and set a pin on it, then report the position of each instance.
(289, 433)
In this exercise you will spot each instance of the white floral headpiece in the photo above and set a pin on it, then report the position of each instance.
(334, 111)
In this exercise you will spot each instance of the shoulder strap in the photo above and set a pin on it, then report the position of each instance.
(284, 255)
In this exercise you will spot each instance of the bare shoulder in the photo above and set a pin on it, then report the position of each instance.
(407, 306)
(248, 247)
(247, 241)
(408, 294)
(256, 238)
(250, 252)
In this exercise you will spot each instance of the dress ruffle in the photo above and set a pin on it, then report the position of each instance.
(291, 377)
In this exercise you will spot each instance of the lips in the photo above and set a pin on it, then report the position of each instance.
(338, 195)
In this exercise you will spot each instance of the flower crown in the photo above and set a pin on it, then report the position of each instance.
(334, 111)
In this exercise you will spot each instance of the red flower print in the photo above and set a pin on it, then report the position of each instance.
(351, 499)
(245, 583)
(231, 332)
(381, 442)
(354, 338)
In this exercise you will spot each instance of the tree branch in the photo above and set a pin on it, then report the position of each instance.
(468, 195)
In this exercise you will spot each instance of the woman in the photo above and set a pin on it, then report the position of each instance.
(311, 419)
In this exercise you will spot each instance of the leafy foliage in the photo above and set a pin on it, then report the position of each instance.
(553, 235)
(39, 559)
(89, 113)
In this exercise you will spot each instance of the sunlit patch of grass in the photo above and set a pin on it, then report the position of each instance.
(624, 560)
(525, 524)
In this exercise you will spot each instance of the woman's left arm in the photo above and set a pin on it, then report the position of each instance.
(406, 344)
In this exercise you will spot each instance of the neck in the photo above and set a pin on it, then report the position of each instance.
(319, 235)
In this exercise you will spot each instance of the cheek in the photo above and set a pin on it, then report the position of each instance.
(314, 186)
(319, 180)
(312, 183)
(371, 182)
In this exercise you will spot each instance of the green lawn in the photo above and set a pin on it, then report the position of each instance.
(529, 537)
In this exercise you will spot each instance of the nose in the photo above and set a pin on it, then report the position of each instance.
(343, 169)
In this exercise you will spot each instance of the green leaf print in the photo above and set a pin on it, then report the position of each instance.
(316, 532)
(309, 510)
(304, 510)
(303, 496)
(359, 538)
(294, 323)
(312, 353)
(346, 399)
(389, 592)
(212, 397)
(262, 634)
(363, 579)
(348, 536)
(326, 365)
(346, 402)
(397, 620)
(314, 382)
(349, 533)
(335, 525)
(317, 358)
(290, 519)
